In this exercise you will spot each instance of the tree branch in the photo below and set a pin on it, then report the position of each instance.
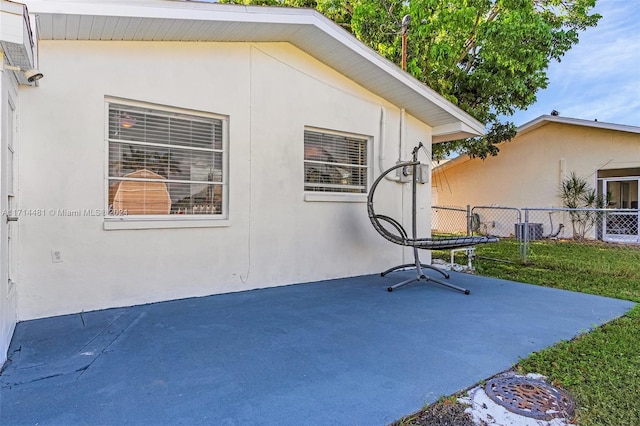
(470, 44)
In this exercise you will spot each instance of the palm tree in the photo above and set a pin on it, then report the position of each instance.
(576, 193)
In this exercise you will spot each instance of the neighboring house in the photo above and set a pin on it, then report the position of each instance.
(529, 170)
(181, 149)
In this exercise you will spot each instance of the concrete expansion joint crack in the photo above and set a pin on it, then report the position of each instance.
(110, 332)
(82, 359)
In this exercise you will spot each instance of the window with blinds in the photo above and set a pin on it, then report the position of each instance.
(164, 162)
(335, 163)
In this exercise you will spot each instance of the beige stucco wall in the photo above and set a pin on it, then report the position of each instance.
(528, 170)
(269, 92)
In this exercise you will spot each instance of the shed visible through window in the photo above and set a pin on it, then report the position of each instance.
(164, 162)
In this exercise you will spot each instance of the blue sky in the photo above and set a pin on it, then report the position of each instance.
(599, 78)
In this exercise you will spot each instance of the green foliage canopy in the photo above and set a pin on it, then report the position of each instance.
(489, 57)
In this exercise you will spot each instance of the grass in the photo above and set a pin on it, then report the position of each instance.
(594, 268)
(601, 368)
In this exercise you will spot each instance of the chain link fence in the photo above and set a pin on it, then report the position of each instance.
(450, 220)
(610, 228)
(523, 229)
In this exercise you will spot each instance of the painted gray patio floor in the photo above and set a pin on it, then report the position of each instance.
(338, 352)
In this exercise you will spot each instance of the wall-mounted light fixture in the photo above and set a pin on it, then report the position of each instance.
(31, 75)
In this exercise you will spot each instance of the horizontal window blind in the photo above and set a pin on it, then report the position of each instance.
(335, 163)
(164, 162)
(157, 127)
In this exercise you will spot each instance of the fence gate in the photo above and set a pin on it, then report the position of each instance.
(504, 222)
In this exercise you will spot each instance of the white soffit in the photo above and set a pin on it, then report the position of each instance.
(306, 29)
(15, 38)
(451, 131)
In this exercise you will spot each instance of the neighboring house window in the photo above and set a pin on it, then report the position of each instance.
(164, 162)
(335, 162)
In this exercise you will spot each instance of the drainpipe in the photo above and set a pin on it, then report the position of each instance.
(402, 134)
(381, 157)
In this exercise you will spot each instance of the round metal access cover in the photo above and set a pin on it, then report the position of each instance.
(530, 397)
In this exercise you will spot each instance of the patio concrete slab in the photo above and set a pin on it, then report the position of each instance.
(337, 352)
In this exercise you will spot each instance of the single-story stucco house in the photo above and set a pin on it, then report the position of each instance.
(180, 149)
(529, 170)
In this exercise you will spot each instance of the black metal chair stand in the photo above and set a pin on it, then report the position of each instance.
(401, 236)
(420, 275)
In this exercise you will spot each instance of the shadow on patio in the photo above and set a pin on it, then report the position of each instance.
(337, 352)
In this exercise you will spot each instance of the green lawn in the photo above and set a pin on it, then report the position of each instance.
(600, 369)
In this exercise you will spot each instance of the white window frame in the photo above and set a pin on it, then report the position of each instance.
(329, 196)
(122, 221)
(628, 217)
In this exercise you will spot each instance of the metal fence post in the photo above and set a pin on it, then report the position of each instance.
(526, 235)
(468, 220)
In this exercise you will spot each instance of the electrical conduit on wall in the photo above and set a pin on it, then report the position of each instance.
(381, 154)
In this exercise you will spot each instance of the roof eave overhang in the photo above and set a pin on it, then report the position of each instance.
(304, 28)
(453, 131)
(16, 41)
(460, 159)
(544, 120)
